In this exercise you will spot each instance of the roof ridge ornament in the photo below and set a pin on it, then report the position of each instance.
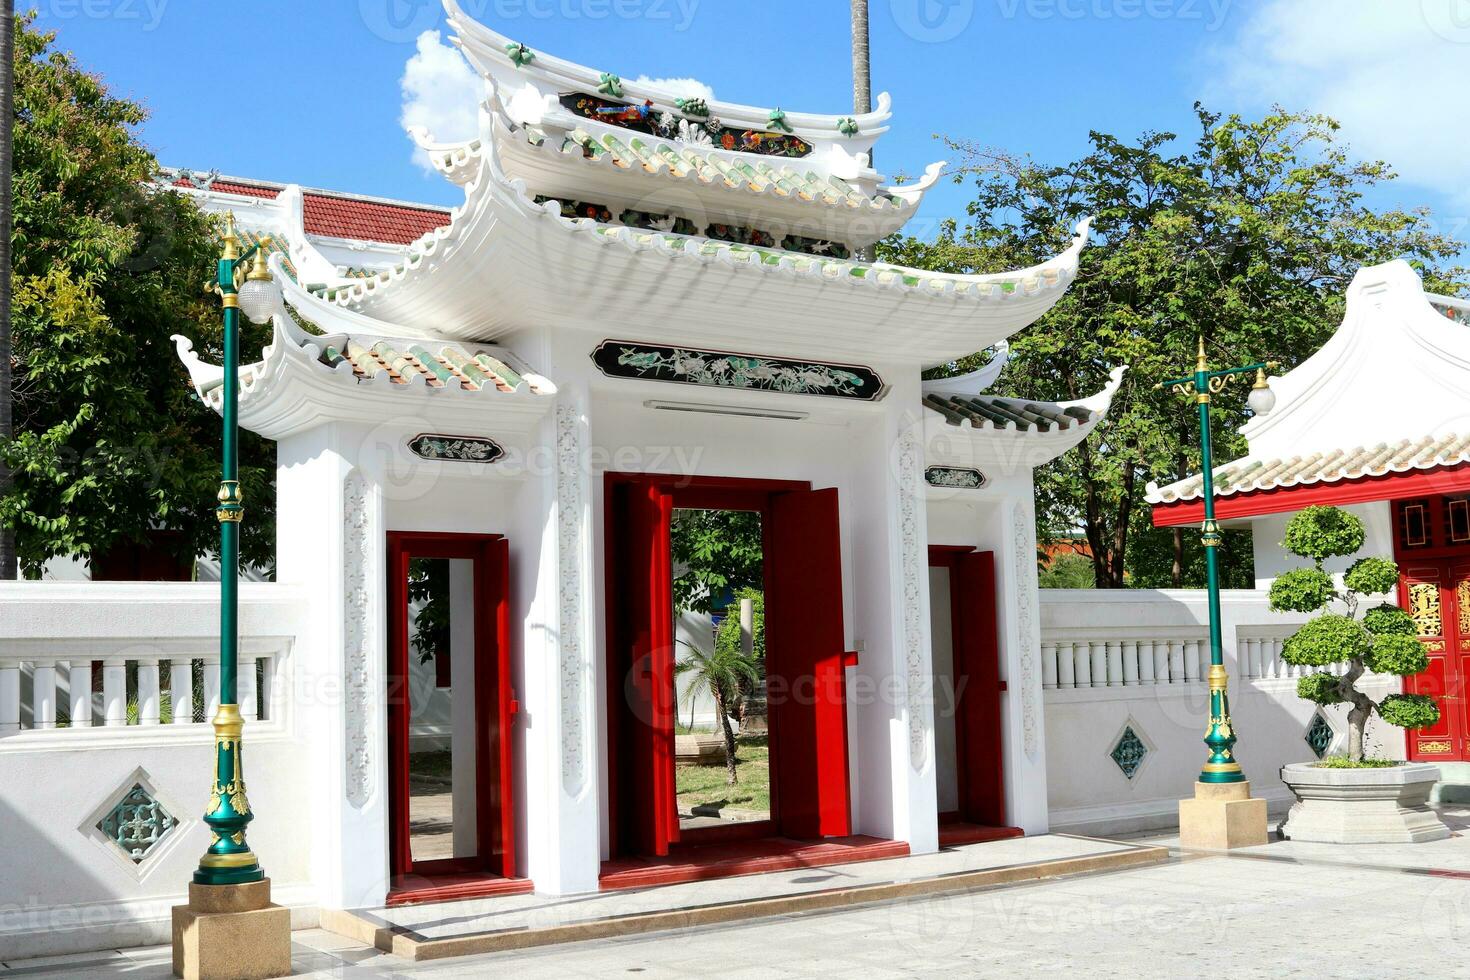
(778, 121)
(519, 54)
(847, 126)
(610, 84)
(695, 107)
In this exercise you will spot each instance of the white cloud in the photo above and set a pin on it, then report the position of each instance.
(441, 93)
(1393, 72)
(683, 88)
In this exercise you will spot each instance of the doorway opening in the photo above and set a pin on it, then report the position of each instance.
(804, 672)
(450, 711)
(968, 734)
(1432, 547)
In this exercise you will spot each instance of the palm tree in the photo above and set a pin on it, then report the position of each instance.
(724, 673)
(862, 78)
(7, 119)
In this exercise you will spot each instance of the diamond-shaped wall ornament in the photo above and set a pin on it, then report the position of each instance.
(136, 823)
(1129, 751)
(1320, 735)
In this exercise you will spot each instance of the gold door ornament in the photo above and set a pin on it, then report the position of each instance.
(1462, 601)
(1437, 747)
(1424, 608)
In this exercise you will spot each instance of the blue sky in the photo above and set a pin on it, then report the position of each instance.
(317, 94)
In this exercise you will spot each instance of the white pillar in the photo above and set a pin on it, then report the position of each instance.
(115, 691)
(148, 697)
(1049, 666)
(1145, 661)
(79, 687)
(43, 694)
(1066, 666)
(245, 687)
(181, 690)
(10, 696)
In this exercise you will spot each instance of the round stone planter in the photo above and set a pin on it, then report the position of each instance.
(1362, 806)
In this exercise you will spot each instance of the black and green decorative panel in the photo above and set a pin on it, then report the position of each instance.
(580, 209)
(1320, 735)
(954, 477)
(137, 823)
(455, 449)
(815, 246)
(1129, 752)
(723, 369)
(692, 125)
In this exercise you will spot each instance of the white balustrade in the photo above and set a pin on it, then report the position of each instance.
(1066, 666)
(114, 692)
(1099, 663)
(43, 696)
(79, 692)
(1130, 662)
(9, 697)
(211, 687)
(246, 688)
(1115, 663)
(149, 695)
(1082, 660)
(181, 690)
(1049, 666)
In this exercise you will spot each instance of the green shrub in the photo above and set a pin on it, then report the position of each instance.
(1301, 590)
(1372, 576)
(1386, 620)
(1396, 654)
(1320, 533)
(1343, 762)
(1328, 639)
(1409, 710)
(1320, 688)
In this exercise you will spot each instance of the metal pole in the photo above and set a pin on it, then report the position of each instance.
(1221, 766)
(229, 861)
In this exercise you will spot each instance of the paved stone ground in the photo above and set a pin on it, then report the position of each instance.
(1283, 910)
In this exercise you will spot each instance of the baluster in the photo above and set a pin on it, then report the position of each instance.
(148, 697)
(1099, 663)
(1082, 660)
(10, 697)
(1146, 661)
(268, 689)
(43, 694)
(114, 692)
(1114, 654)
(1130, 662)
(246, 684)
(1066, 666)
(1191, 660)
(1049, 666)
(1161, 661)
(1278, 666)
(211, 687)
(79, 680)
(181, 690)
(1176, 662)
(1252, 664)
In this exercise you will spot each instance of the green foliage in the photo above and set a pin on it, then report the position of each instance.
(727, 636)
(1397, 654)
(1328, 639)
(1320, 688)
(1372, 576)
(1412, 711)
(1151, 557)
(111, 444)
(720, 672)
(1343, 762)
(1387, 620)
(716, 554)
(1246, 233)
(428, 590)
(1320, 533)
(1067, 570)
(1302, 590)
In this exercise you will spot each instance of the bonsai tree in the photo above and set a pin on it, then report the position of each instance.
(723, 672)
(1384, 639)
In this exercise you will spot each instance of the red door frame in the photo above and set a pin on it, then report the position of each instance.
(1447, 679)
(979, 735)
(494, 700)
(684, 492)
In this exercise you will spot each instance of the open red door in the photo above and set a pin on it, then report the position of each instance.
(805, 658)
(644, 811)
(977, 661)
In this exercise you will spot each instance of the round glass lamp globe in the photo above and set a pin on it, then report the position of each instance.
(257, 299)
(1261, 400)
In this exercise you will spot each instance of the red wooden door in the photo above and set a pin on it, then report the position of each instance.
(1437, 595)
(805, 657)
(644, 807)
(494, 701)
(977, 666)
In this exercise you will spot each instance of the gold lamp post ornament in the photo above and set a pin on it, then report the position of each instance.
(230, 928)
(1222, 813)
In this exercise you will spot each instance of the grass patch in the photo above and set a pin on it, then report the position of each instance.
(436, 765)
(1343, 762)
(700, 785)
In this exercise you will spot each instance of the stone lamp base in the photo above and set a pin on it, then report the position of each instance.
(1222, 816)
(231, 932)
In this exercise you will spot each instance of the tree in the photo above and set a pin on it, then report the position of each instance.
(1246, 237)
(1067, 570)
(7, 128)
(716, 554)
(1385, 640)
(111, 444)
(724, 672)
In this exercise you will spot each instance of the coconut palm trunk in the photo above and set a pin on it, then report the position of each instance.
(7, 121)
(731, 775)
(862, 79)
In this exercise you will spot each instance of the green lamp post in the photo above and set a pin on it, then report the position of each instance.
(229, 860)
(1221, 766)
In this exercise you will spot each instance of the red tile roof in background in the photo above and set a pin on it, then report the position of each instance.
(341, 216)
(373, 221)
